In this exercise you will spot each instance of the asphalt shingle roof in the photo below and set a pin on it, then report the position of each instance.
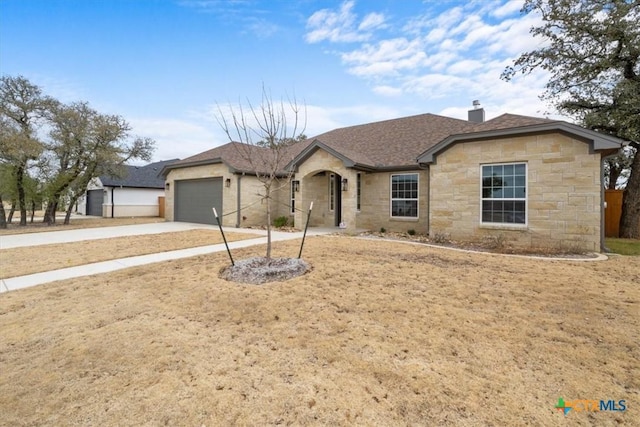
(147, 176)
(385, 144)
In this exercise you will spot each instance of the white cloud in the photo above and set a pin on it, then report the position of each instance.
(341, 26)
(176, 138)
(508, 8)
(455, 56)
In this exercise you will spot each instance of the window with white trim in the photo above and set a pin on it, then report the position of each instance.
(293, 196)
(504, 190)
(404, 195)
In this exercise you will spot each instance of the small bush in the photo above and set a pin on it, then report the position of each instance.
(280, 221)
(411, 232)
(383, 230)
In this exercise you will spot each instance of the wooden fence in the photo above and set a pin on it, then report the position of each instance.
(161, 206)
(612, 213)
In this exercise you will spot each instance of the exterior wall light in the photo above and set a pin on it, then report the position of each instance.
(345, 184)
(296, 186)
(227, 182)
(167, 186)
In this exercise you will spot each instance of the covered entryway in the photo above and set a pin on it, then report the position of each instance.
(95, 198)
(194, 199)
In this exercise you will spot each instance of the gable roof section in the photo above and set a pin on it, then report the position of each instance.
(389, 144)
(508, 125)
(147, 176)
(238, 157)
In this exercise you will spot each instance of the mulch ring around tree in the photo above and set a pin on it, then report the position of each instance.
(259, 270)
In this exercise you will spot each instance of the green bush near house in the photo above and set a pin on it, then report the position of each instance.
(623, 246)
(411, 232)
(280, 221)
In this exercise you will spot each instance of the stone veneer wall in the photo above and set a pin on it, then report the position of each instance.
(375, 196)
(253, 211)
(375, 203)
(563, 192)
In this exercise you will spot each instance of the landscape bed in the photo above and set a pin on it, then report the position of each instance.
(377, 333)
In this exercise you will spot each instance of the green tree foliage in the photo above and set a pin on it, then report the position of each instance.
(85, 144)
(591, 50)
(23, 109)
(80, 144)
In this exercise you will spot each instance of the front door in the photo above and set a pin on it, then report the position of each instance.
(337, 194)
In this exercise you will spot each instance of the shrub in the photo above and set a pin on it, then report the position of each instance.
(411, 232)
(383, 230)
(280, 221)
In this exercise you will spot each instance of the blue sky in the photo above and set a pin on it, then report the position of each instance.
(165, 65)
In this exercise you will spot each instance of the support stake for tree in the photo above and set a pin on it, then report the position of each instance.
(305, 230)
(223, 237)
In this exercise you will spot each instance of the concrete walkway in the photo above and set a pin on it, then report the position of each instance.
(35, 239)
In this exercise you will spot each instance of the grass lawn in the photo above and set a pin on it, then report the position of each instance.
(378, 333)
(623, 246)
(26, 260)
(82, 222)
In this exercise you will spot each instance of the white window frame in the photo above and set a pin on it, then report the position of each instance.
(524, 199)
(417, 199)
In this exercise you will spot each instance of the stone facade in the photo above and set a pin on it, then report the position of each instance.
(315, 175)
(252, 211)
(563, 194)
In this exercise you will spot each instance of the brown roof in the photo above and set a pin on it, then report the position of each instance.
(395, 142)
(240, 157)
(385, 144)
(509, 121)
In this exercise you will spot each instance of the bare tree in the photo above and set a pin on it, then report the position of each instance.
(262, 136)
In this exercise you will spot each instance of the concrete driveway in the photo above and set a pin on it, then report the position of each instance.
(66, 236)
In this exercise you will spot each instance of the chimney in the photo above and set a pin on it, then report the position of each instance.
(477, 114)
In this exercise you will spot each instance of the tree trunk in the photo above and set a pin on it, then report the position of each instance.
(33, 210)
(21, 194)
(50, 212)
(629, 227)
(268, 197)
(614, 174)
(3, 217)
(67, 216)
(12, 211)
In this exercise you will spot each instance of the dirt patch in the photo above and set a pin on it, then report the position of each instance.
(259, 270)
(370, 336)
(29, 260)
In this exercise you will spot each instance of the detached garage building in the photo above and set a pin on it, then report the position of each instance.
(135, 193)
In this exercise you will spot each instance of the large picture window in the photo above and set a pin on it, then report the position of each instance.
(404, 196)
(504, 189)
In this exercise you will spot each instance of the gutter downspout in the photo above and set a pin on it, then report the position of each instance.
(238, 202)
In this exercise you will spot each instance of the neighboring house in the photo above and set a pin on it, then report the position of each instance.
(135, 193)
(533, 182)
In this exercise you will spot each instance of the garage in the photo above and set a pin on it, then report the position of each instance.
(94, 202)
(194, 199)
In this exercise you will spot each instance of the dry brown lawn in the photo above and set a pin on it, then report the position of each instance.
(378, 333)
(28, 260)
(37, 226)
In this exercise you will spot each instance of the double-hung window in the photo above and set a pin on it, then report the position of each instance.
(404, 195)
(504, 193)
